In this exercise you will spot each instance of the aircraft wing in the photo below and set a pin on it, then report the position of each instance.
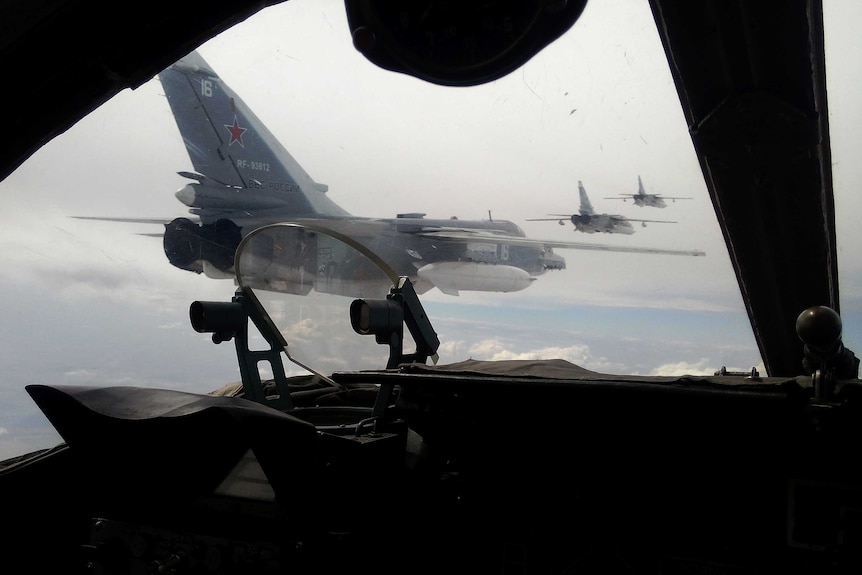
(646, 221)
(554, 219)
(656, 196)
(162, 221)
(485, 236)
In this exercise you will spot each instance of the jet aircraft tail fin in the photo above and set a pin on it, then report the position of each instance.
(641, 191)
(586, 208)
(244, 164)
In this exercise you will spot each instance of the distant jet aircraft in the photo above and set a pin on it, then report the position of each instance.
(643, 199)
(246, 179)
(589, 222)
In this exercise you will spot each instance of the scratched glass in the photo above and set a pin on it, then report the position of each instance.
(470, 191)
(306, 280)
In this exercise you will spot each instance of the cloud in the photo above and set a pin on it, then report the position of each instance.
(497, 349)
(702, 367)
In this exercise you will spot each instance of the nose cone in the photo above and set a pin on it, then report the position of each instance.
(186, 195)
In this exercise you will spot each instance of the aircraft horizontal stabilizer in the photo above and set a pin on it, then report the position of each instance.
(162, 221)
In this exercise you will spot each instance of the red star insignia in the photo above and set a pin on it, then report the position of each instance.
(235, 132)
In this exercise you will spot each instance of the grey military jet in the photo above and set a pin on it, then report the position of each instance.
(643, 199)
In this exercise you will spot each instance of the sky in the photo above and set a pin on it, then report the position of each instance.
(97, 303)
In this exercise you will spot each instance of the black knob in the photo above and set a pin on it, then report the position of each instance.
(819, 327)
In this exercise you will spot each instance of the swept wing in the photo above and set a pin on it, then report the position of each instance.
(469, 235)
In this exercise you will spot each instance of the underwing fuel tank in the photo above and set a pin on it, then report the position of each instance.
(452, 277)
(227, 198)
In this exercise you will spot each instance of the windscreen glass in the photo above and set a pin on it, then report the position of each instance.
(559, 212)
